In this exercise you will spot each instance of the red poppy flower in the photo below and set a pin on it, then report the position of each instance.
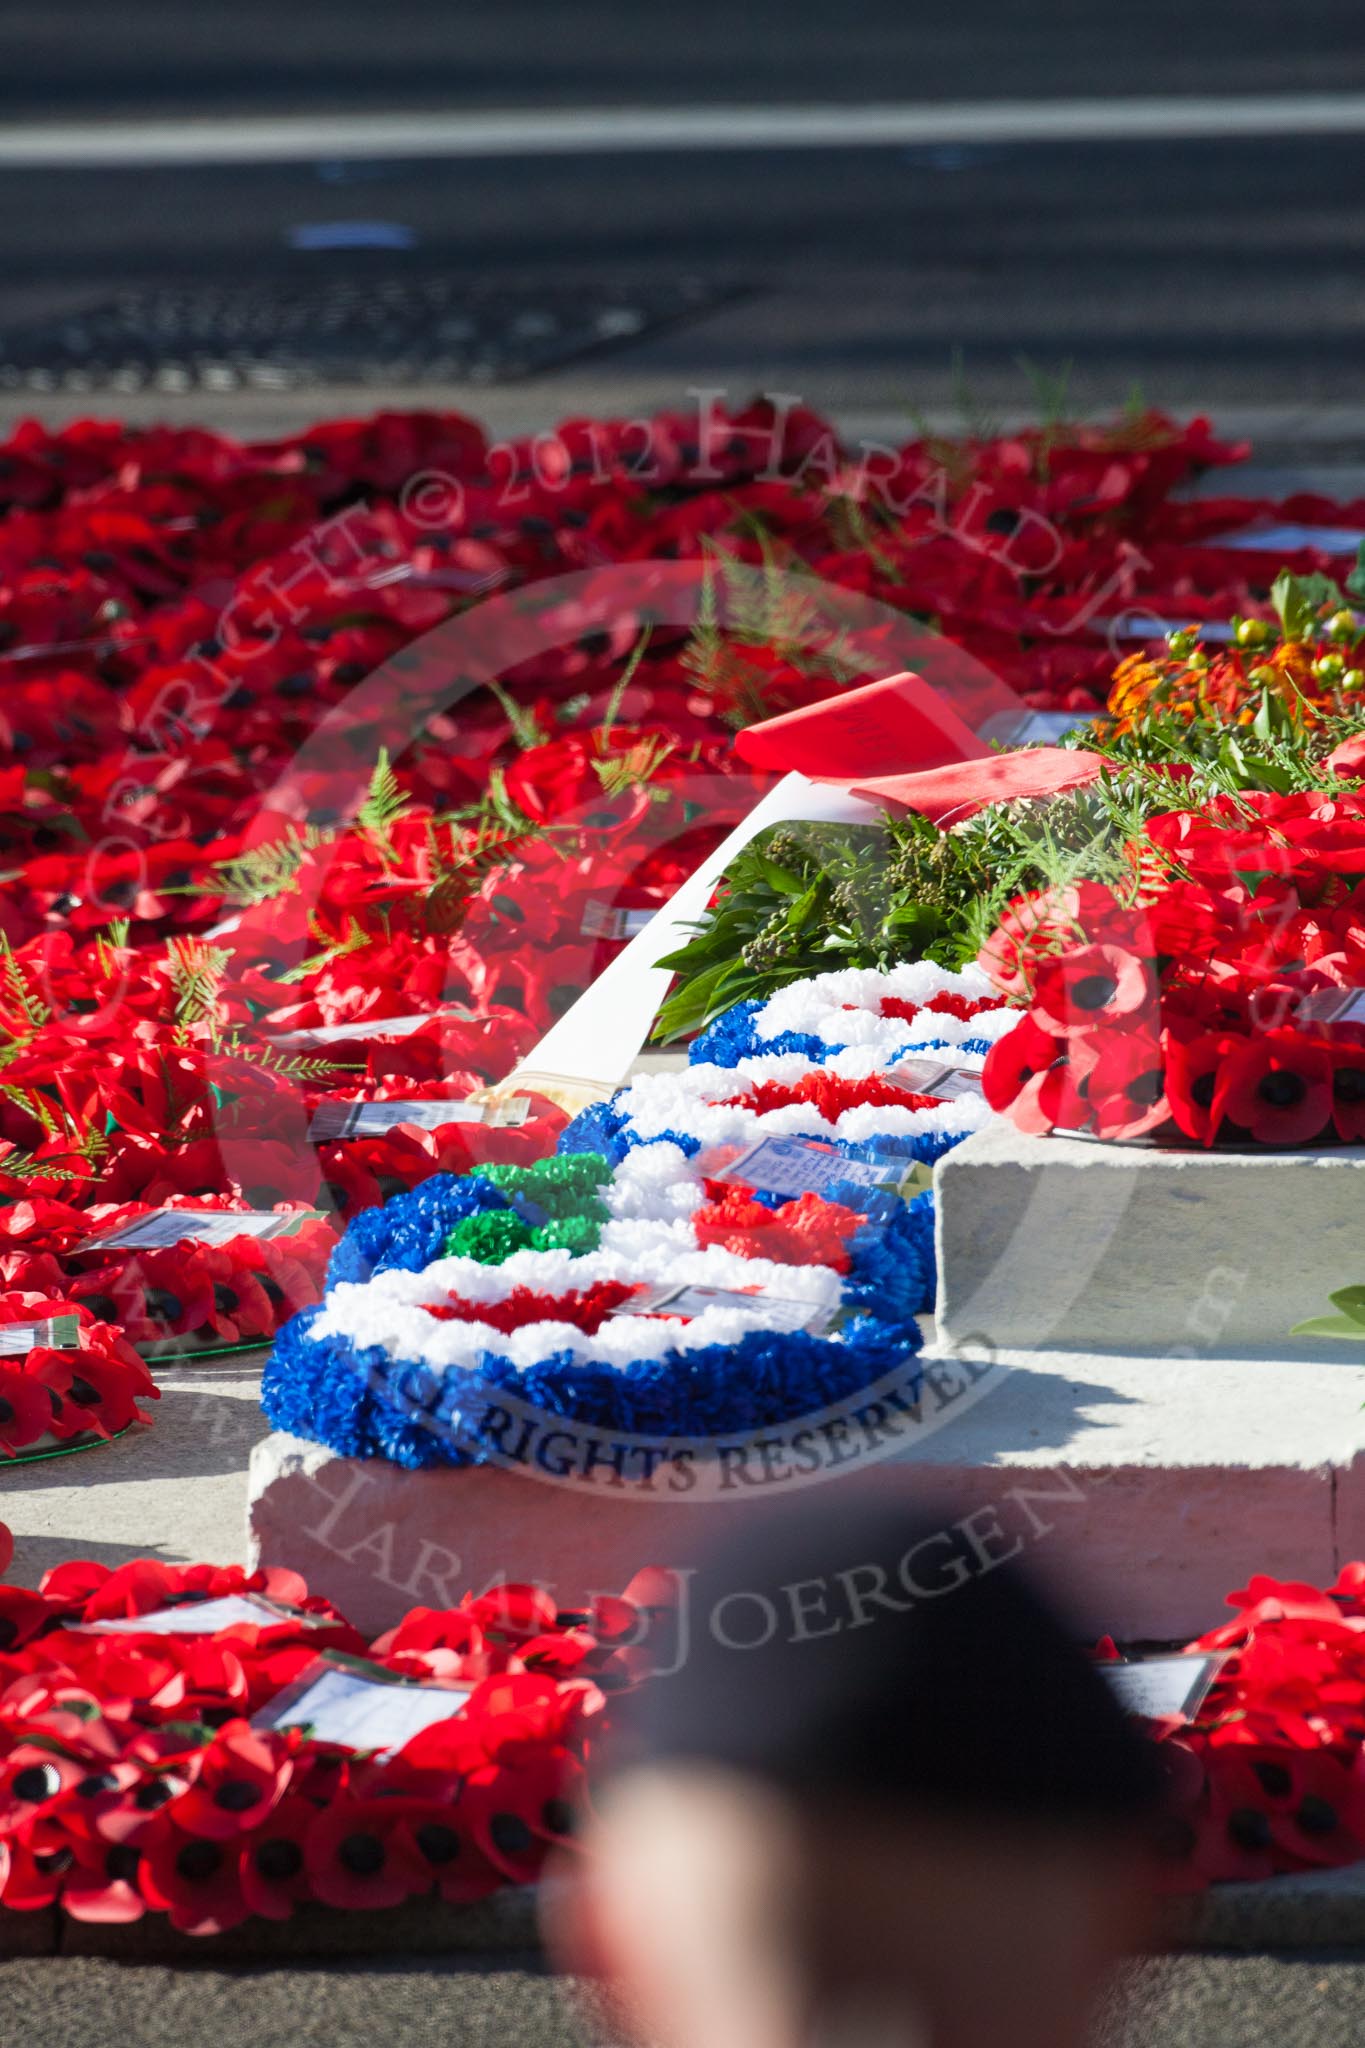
(274, 1868)
(1277, 1088)
(32, 1782)
(26, 1414)
(1053, 1100)
(1092, 986)
(1125, 1087)
(1194, 1068)
(511, 1613)
(240, 1778)
(514, 1812)
(87, 1394)
(1016, 1059)
(439, 1840)
(360, 1856)
(101, 1884)
(194, 1880)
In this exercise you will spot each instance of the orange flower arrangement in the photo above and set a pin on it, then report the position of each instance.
(1309, 678)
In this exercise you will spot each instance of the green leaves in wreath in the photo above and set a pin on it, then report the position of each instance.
(1301, 600)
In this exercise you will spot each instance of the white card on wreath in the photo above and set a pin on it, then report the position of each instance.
(943, 1079)
(360, 1707)
(775, 1311)
(801, 1166)
(1332, 1006)
(367, 1027)
(55, 1333)
(166, 1227)
(198, 1618)
(334, 1121)
(1155, 1687)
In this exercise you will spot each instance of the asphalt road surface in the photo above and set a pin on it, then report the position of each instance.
(1191, 2002)
(1205, 271)
(84, 57)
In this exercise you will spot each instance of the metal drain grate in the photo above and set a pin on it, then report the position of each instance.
(278, 336)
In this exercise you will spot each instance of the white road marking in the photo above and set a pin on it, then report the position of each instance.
(589, 131)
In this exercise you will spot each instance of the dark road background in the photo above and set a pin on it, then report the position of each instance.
(1224, 272)
(88, 58)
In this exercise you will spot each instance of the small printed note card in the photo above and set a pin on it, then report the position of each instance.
(166, 1227)
(776, 1311)
(57, 1333)
(1157, 1687)
(360, 1705)
(333, 1121)
(365, 1027)
(1332, 1006)
(926, 1074)
(201, 1618)
(611, 921)
(799, 1166)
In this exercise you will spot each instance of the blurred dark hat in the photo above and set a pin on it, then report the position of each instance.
(842, 1651)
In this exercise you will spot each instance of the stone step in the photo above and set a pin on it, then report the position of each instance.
(1144, 1488)
(1065, 1243)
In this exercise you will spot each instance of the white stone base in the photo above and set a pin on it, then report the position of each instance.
(1068, 1244)
(1145, 1488)
(378, 1540)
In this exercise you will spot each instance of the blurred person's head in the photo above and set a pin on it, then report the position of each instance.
(884, 1798)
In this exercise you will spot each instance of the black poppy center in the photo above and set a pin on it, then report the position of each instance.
(1094, 991)
(1249, 1828)
(362, 1855)
(6, 1411)
(439, 1844)
(198, 1861)
(235, 1795)
(93, 1786)
(558, 1816)
(1201, 1089)
(1145, 1089)
(279, 1860)
(511, 1836)
(37, 1781)
(154, 1794)
(1316, 1816)
(1348, 1084)
(1282, 1090)
(1275, 1780)
(120, 1865)
(82, 1393)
